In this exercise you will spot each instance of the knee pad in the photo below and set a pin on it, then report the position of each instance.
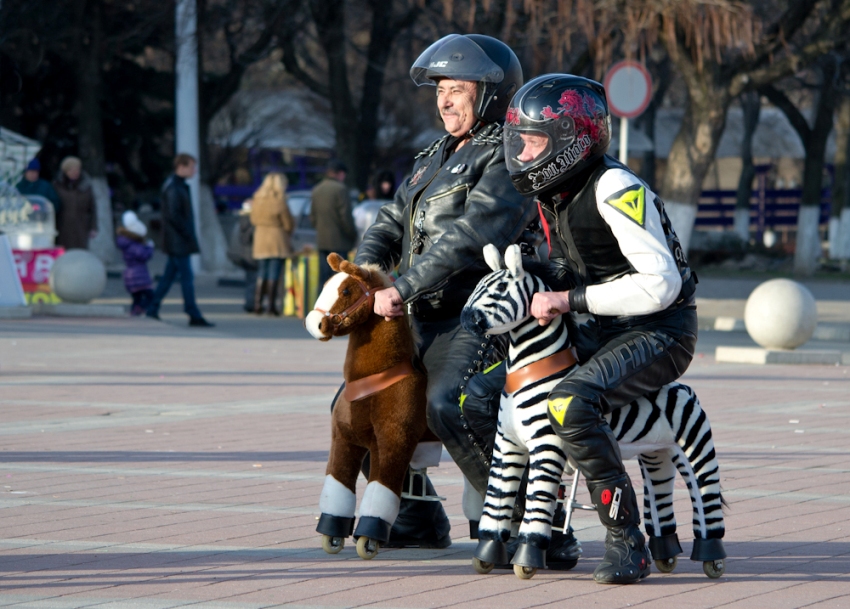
(572, 415)
(479, 402)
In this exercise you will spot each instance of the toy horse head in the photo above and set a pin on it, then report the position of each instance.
(347, 299)
(501, 300)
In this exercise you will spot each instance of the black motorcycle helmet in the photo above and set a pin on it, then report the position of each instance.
(556, 126)
(482, 59)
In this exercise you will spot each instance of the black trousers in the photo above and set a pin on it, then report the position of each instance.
(451, 356)
(619, 362)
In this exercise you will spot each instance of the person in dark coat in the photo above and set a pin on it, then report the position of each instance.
(136, 251)
(330, 213)
(33, 184)
(76, 221)
(179, 240)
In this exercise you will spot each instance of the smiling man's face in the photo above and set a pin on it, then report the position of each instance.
(456, 103)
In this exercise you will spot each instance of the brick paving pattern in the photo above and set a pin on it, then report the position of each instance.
(148, 465)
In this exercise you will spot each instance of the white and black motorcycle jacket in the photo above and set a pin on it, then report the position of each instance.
(615, 246)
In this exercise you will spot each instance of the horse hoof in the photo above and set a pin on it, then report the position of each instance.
(524, 572)
(367, 548)
(332, 545)
(482, 567)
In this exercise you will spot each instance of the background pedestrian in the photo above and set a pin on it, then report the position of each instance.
(179, 240)
(273, 226)
(330, 213)
(76, 221)
(33, 184)
(240, 248)
(137, 251)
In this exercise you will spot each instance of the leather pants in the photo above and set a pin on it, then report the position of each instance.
(619, 362)
(451, 356)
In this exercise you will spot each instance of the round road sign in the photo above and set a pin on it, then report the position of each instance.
(629, 89)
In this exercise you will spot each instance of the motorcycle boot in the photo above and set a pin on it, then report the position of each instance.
(626, 558)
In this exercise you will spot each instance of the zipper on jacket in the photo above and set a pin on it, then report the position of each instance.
(451, 191)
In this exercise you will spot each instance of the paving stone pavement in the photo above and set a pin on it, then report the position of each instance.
(150, 465)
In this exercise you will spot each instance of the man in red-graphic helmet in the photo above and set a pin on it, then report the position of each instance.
(618, 259)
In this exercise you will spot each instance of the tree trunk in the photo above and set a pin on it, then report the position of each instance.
(841, 183)
(90, 126)
(329, 16)
(691, 156)
(808, 248)
(751, 107)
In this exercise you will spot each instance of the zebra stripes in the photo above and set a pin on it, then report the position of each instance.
(666, 430)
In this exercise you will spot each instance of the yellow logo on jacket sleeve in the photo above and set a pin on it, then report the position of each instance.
(631, 202)
(558, 408)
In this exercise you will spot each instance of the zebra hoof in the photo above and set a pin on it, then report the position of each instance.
(714, 568)
(482, 567)
(708, 550)
(491, 551)
(666, 565)
(524, 572)
(665, 546)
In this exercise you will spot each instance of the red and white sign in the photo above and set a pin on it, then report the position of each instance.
(629, 89)
(34, 270)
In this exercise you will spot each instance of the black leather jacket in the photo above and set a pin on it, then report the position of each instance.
(178, 221)
(436, 227)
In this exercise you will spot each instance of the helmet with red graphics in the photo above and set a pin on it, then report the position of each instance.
(556, 125)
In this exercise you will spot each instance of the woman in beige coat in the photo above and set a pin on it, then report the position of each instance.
(273, 226)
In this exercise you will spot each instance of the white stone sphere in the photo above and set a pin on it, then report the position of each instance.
(78, 276)
(781, 314)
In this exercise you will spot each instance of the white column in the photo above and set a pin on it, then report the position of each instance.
(186, 100)
(624, 141)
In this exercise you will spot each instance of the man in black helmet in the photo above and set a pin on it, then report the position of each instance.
(457, 199)
(615, 256)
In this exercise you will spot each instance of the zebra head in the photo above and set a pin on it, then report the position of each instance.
(501, 300)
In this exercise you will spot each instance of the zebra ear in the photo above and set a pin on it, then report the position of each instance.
(492, 257)
(513, 260)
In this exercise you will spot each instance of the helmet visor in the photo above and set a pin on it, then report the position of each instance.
(455, 57)
(525, 148)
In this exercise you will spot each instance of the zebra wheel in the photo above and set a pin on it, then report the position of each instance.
(367, 548)
(714, 568)
(482, 567)
(332, 545)
(668, 565)
(524, 572)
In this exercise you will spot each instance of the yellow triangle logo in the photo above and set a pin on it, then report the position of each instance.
(630, 202)
(558, 408)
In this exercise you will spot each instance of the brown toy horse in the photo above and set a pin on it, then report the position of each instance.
(380, 411)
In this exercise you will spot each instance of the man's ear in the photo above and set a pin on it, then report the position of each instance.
(492, 257)
(513, 260)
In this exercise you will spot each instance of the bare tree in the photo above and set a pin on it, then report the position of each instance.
(814, 139)
(751, 109)
(355, 121)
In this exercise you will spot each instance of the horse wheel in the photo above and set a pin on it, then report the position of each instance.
(524, 572)
(714, 568)
(482, 567)
(367, 548)
(667, 566)
(332, 545)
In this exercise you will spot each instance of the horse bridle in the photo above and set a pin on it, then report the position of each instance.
(368, 294)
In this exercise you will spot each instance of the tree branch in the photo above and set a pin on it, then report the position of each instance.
(795, 117)
(290, 62)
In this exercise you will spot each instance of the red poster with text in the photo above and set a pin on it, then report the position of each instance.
(34, 270)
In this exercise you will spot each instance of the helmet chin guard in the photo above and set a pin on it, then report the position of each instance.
(556, 125)
(476, 58)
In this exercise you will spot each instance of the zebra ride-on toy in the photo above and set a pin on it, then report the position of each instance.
(666, 430)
